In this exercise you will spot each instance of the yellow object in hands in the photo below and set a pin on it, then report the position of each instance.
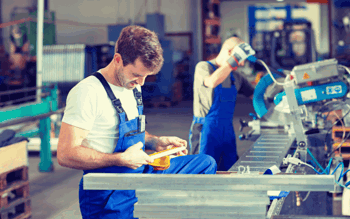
(163, 163)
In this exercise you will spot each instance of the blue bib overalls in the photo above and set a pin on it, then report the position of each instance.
(214, 134)
(120, 203)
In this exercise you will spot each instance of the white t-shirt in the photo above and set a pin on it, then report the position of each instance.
(89, 107)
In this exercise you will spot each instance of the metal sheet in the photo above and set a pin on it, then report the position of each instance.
(232, 182)
(275, 207)
(199, 209)
(204, 200)
(267, 150)
(308, 217)
(199, 194)
(203, 215)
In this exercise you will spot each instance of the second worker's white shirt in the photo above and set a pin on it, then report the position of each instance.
(89, 107)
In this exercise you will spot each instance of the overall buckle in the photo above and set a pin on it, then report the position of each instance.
(117, 105)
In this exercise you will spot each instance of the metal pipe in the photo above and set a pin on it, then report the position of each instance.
(39, 47)
(29, 119)
(330, 23)
(25, 90)
(28, 98)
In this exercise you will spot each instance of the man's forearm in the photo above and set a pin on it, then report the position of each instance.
(84, 158)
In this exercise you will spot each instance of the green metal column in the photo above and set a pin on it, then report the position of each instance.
(45, 164)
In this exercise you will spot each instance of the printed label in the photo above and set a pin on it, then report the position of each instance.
(308, 95)
(337, 89)
(142, 123)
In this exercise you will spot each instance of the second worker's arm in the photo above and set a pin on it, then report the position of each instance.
(224, 69)
(218, 76)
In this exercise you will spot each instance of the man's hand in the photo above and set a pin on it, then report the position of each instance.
(241, 52)
(227, 49)
(134, 157)
(166, 142)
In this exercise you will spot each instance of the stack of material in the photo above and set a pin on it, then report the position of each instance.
(68, 63)
(229, 195)
(14, 184)
(266, 151)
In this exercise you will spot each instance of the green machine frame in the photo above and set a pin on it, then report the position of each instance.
(32, 111)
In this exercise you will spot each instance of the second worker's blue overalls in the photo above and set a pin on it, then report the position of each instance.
(120, 203)
(214, 134)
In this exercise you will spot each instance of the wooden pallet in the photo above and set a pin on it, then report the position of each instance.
(13, 156)
(15, 175)
(344, 151)
(16, 191)
(337, 134)
(19, 209)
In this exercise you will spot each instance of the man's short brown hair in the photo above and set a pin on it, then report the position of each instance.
(138, 42)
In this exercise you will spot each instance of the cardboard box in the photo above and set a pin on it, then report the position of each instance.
(13, 156)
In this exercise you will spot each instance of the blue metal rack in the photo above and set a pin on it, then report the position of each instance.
(252, 20)
(276, 47)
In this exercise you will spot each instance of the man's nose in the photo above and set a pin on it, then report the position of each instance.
(141, 80)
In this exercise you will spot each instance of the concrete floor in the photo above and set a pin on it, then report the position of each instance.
(54, 195)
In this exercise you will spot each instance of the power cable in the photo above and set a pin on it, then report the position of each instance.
(271, 75)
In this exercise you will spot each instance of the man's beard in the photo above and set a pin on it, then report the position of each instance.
(120, 77)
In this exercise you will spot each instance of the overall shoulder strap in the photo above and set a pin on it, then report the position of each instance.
(212, 65)
(116, 102)
(138, 96)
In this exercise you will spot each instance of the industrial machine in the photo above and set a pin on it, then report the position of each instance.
(299, 102)
(290, 124)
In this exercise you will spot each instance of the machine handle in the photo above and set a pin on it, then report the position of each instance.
(242, 137)
(243, 124)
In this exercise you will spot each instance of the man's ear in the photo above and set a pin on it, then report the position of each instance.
(118, 59)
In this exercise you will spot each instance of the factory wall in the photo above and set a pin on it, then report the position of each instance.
(86, 21)
(98, 14)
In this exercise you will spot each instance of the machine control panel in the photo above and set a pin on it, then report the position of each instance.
(315, 71)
